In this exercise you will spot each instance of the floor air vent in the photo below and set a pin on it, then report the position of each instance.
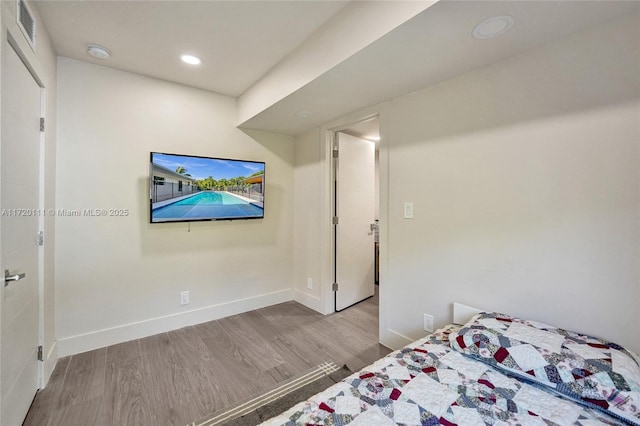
(26, 23)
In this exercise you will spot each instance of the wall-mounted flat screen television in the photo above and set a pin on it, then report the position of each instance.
(184, 188)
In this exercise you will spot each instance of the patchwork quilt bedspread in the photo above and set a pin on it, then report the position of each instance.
(428, 383)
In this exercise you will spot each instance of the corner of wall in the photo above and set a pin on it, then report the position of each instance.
(308, 300)
(50, 362)
(394, 340)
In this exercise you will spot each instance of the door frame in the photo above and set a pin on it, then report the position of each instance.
(327, 133)
(335, 208)
(11, 38)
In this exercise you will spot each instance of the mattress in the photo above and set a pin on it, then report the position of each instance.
(429, 383)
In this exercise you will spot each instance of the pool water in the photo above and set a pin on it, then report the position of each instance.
(210, 198)
(216, 205)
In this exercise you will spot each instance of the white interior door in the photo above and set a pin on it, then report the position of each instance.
(20, 168)
(355, 209)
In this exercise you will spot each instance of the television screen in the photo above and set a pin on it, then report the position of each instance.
(188, 188)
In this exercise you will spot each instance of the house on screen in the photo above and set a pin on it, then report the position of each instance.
(168, 184)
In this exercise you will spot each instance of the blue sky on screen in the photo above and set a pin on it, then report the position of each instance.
(201, 168)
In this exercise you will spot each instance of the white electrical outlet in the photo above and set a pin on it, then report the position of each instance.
(309, 283)
(408, 210)
(184, 298)
(428, 322)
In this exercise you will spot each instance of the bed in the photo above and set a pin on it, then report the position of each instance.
(494, 369)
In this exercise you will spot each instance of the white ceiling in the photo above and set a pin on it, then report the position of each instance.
(240, 41)
(434, 46)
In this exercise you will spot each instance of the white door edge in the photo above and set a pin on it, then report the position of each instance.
(10, 40)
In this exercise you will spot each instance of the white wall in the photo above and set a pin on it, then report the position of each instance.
(42, 63)
(307, 220)
(525, 179)
(119, 278)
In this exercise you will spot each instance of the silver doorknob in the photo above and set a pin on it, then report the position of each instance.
(8, 277)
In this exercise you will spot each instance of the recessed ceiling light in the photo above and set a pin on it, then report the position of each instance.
(303, 114)
(98, 51)
(493, 27)
(191, 60)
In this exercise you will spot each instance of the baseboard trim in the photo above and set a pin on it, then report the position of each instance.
(110, 336)
(308, 300)
(394, 340)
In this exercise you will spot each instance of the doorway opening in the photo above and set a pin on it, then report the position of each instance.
(355, 199)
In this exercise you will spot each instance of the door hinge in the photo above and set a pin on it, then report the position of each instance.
(335, 220)
(334, 287)
(336, 153)
(40, 238)
(40, 356)
(42, 124)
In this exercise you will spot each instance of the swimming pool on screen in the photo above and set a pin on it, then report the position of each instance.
(209, 205)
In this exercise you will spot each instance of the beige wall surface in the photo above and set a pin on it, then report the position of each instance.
(307, 219)
(119, 277)
(525, 180)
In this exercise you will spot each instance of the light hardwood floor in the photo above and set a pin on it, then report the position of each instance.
(182, 376)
